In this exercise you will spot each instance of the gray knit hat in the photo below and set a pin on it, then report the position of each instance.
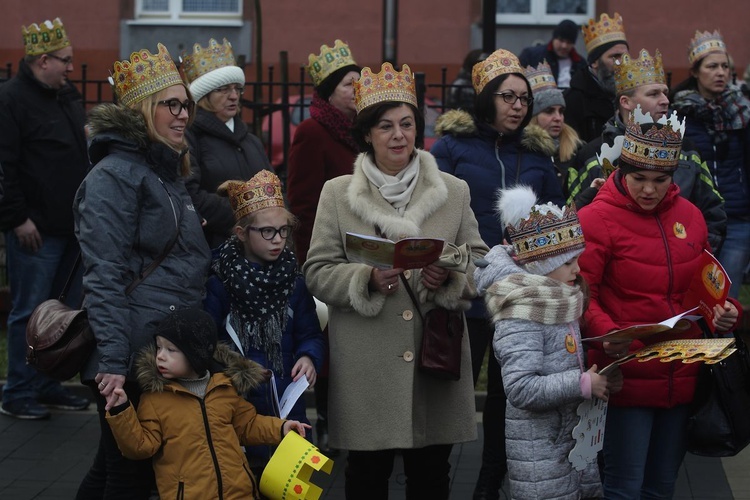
(546, 99)
(193, 331)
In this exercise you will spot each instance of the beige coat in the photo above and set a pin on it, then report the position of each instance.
(378, 397)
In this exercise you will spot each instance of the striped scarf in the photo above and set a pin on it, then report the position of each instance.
(536, 298)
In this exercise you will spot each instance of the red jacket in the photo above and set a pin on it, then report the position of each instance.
(639, 265)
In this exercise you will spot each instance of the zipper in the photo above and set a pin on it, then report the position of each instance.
(215, 460)
(669, 263)
(181, 490)
(254, 481)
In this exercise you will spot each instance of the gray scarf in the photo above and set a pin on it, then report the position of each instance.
(536, 298)
(397, 189)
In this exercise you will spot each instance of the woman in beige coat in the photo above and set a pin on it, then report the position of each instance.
(375, 331)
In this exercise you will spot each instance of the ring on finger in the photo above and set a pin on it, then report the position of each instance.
(390, 286)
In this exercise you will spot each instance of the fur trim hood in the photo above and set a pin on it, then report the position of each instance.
(243, 373)
(108, 119)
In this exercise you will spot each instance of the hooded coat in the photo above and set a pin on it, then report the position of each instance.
(196, 441)
(126, 211)
(373, 338)
(542, 383)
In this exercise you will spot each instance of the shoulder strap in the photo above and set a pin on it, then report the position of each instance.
(154, 264)
(411, 295)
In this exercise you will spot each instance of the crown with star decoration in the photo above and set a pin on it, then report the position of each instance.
(263, 190)
(329, 60)
(387, 86)
(48, 37)
(606, 30)
(631, 73)
(498, 63)
(705, 43)
(144, 74)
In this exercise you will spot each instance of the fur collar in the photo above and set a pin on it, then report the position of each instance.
(243, 373)
(429, 195)
(536, 139)
(127, 123)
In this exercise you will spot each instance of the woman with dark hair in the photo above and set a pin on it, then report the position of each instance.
(718, 119)
(375, 328)
(491, 151)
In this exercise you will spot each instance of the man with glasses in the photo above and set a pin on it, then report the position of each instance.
(44, 158)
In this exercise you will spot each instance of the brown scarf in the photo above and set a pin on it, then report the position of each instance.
(536, 298)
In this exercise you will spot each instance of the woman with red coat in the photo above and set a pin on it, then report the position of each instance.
(643, 245)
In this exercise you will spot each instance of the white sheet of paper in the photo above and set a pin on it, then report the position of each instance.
(291, 395)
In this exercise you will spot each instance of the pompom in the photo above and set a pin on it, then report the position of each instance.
(514, 204)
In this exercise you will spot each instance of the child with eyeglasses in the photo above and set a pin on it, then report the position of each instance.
(258, 296)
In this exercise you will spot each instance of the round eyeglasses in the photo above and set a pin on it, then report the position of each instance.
(269, 233)
(227, 89)
(176, 107)
(511, 98)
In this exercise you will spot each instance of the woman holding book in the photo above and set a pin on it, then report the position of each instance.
(643, 246)
(375, 329)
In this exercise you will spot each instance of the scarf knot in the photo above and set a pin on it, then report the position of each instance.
(536, 298)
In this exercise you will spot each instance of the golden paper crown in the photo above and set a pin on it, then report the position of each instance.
(604, 31)
(204, 60)
(705, 43)
(388, 85)
(329, 60)
(545, 235)
(48, 37)
(632, 73)
(658, 148)
(263, 190)
(498, 63)
(540, 78)
(143, 75)
(289, 471)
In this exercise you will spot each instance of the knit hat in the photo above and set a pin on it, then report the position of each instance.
(544, 237)
(566, 30)
(543, 88)
(209, 68)
(193, 331)
(602, 35)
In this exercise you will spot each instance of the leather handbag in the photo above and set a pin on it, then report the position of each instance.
(442, 335)
(719, 425)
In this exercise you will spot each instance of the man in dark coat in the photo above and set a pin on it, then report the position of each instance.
(560, 53)
(44, 158)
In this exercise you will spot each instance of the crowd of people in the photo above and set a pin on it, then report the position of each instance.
(574, 196)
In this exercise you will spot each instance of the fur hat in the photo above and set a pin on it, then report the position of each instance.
(544, 237)
(193, 331)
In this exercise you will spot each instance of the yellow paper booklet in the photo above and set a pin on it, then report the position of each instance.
(407, 253)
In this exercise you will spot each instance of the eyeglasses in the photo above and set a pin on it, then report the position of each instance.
(511, 98)
(227, 89)
(64, 60)
(269, 233)
(176, 107)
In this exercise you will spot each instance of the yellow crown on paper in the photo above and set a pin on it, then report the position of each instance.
(705, 43)
(48, 37)
(287, 475)
(540, 78)
(631, 73)
(329, 60)
(144, 74)
(263, 190)
(656, 149)
(498, 63)
(204, 60)
(605, 30)
(388, 85)
(544, 235)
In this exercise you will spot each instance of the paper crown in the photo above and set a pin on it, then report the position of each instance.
(263, 190)
(388, 85)
(606, 30)
(498, 63)
(48, 37)
(288, 472)
(204, 60)
(143, 75)
(658, 148)
(545, 234)
(631, 73)
(540, 78)
(329, 60)
(703, 44)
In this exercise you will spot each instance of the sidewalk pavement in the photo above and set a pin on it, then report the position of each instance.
(47, 459)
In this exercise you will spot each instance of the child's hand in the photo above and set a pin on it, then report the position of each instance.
(293, 425)
(599, 384)
(614, 380)
(121, 396)
(304, 365)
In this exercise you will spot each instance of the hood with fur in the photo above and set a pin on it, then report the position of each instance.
(112, 123)
(244, 374)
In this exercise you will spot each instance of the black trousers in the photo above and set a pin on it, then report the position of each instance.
(367, 473)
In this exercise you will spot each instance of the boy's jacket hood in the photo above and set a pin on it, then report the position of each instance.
(243, 373)
(459, 123)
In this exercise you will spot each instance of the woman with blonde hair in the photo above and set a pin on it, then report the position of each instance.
(141, 241)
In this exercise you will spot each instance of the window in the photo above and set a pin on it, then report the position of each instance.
(181, 11)
(543, 11)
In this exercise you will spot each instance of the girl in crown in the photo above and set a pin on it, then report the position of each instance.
(536, 297)
(259, 300)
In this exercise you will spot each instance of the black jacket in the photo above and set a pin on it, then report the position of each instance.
(42, 153)
(587, 105)
(532, 56)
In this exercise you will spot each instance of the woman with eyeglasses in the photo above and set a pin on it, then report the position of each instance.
(142, 244)
(490, 151)
(221, 146)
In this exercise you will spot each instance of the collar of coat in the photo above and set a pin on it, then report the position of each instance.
(459, 123)
(208, 123)
(243, 373)
(429, 195)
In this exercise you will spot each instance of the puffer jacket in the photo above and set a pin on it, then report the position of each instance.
(218, 155)
(126, 211)
(196, 441)
(542, 382)
(638, 265)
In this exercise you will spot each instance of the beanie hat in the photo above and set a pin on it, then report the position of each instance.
(566, 30)
(193, 331)
(326, 87)
(596, 53)
(546, 99)
(208, 68)
(201, 86)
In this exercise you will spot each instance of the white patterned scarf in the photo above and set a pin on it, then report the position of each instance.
(536, 298)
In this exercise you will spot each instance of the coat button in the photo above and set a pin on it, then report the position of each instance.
(408, 356)
(407, 315)
(407, 274)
